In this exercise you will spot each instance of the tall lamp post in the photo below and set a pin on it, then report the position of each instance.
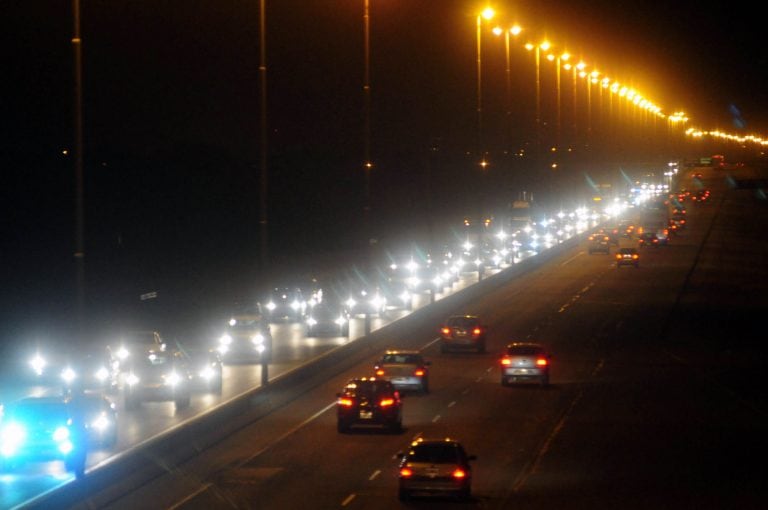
(538, 47)
(367, 164)
(263, 189)
(78, 149)
(487, 14)
(515, 31)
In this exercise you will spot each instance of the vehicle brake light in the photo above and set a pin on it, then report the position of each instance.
(446, 331)
(406, 472)
(419, 372)
(542, 362)
(477, 331)
(379, 371)
(346, 402)
(386, 402)
(505, 361)
(459, 473)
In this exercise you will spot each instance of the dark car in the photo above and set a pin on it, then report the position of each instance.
(405, 369)
(247, 337)
(90, 370)
(435, 467)
(42, 429)
(648, 239)
(285, 304)
(599, 243)
(523, 362)
(627, 257)
(369, 402)
(463, 332)
(158, 377)
(99, 415)
(327, 317)
(206, 368)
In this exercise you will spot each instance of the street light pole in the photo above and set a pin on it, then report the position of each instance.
(78, 150)
(367, 165)
(263, 223)
(487, 14)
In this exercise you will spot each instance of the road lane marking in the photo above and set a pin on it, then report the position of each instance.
(375, 474)
(190, 496)
(348, 500)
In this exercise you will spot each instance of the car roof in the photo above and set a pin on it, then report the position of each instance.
(403, 351)
(514, 345)
(627, 250)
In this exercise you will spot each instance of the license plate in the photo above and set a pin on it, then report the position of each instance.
(366, 415)
(519, 371)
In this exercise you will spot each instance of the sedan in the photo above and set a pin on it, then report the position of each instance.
(525, 361)
(648, 239)
(462, 332)
(435, 467)
(627, 257)
(369, 402)
(405, 369)
(99, 415)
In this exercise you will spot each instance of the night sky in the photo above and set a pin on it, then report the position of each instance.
(172, 115)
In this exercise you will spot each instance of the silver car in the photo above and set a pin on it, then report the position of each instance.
(524, 362)
(435, 467)
(405, 369)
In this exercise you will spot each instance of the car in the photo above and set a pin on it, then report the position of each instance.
(136, 341)
(42, 429)
(369, 402)
(396, 293)
(206, 368)
(435, 467)
(599, 243)
(627, 257)
(327, 317)
(369, 301)
(648, 239)
(286, 304)
(247, 337)
(461, 332)
(524, 362)
(95, 371)
(100, 417)
(406, 369)
(158, 376)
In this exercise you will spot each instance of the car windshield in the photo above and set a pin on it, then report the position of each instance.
(367, 388)
(438, 453)
(524, 351)
(462, 322)
(409, 359)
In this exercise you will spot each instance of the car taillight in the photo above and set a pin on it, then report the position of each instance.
(446, 331)
(419, 372)
(618, 256)
(346, 402)
(635, 256)
(506, 361)
(406, 472)
(477, 331)
(386, 402)
(459, 473)
(541, 362)
(379, 371)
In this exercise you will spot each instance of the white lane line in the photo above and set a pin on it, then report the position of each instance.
(376, 474)
(190, 497)
(436, 419)
(348, 500)
(453, 403)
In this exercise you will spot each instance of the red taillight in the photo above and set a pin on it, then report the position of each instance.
(635, 256)
(406, 472)
(386, 402)
(459, 473)
(477, 331)
(379, 371)
(506, 361)
(618, 256)
(541, 362)
(446, 331)
(346, 402)
(419, 372)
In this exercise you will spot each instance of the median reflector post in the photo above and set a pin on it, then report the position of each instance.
(367, 323)
(264, 373)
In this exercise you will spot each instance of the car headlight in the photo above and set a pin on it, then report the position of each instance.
(132, 379)
(172, 379)
(68, 375)
(341, 320)
(38, 363)
(225, 340)
(311, 321)
(257, 339)
(223, 349)
(61, 434)
(12, 436)
(351, 303)
(123, 353)
(405, 296)
(207, 373)
(271, 306)
(101, 374)
(101, 422)
(295, 305)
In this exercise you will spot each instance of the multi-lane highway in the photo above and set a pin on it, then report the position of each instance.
(652, 402)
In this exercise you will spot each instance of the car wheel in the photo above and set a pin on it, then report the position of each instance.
(504, 381)
(218, 385)
(341, 427)
(403, 495)
(443, 348)
(465, 494)
(545, 380)
(397, 427)
(345, 331)
(425, 386)
(183, 402)
(481, 347)
(76, 464)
